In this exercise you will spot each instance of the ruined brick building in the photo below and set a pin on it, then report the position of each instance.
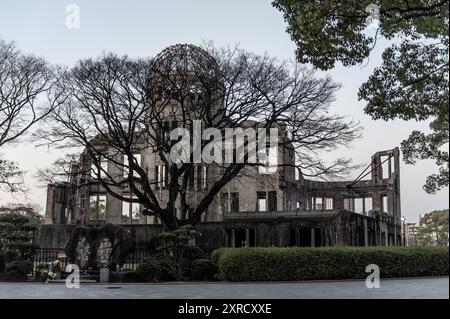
(279, 209)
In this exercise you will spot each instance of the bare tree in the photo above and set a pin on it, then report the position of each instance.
(117, 107)
(26, 97)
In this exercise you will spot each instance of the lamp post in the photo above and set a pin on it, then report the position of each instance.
(404, 230)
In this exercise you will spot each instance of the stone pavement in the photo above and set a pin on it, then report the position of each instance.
(407, 288)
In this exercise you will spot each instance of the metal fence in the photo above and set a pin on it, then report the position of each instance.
(44, 256)
(49, 255)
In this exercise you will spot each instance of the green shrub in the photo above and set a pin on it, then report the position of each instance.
(18, 270)
(203, 269)
(20, 251)
(190, 253)
(216, 254)
(278, 264)
(16, 233)
(157, 269)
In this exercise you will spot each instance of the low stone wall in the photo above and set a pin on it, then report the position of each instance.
(340, 228)
(56, 236)
(53, 236)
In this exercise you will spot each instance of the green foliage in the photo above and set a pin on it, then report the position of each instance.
(174, 258)
(281, 264)
(157, 269)
(327, 31)
(190, 254)
(203, 269)
(216, 254)
(177, 244)
(180, 237)
(434, 228)
(17, 270)
(20, 251)
(16, 234)
(412, 82)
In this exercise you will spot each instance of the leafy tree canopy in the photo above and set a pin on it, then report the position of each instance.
(16, 233)
(434, 228)
(412, 81)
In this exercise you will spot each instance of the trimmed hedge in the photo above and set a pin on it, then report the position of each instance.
(216, 254)
(286, 264)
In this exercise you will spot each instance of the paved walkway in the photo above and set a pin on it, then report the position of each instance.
(408, 288)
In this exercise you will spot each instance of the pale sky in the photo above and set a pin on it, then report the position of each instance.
(141, 28)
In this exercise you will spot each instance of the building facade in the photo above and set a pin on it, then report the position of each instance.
(253, 209)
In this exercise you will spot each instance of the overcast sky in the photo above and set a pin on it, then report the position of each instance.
(141, 28)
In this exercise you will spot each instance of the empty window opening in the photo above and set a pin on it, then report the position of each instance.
(386, 166)
(202, 177)
(308, 204)
(161, 176)
(97, 207)
(322, 203)
(317, 237)
(234, 202)
(360, 205)
(229, 202)
(126, 163)
(130, 211)
(328, 202)
(100, 171)
(384, 204)
(252, 238)
(305, 237)
(349, 204)
(239, 240)
(368, 204)
(261, 201)
(318, 203)
(292, 237)
(272, 201)
(224, 202)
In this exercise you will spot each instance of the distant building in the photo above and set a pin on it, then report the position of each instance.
(411, 233)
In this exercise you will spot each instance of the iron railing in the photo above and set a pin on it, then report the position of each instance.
(49, 255)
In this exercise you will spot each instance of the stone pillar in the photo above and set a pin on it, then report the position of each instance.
(226, 239)
(386, 234)
(313, 237)
(233, 238)
(366, 233)
(247, 237)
